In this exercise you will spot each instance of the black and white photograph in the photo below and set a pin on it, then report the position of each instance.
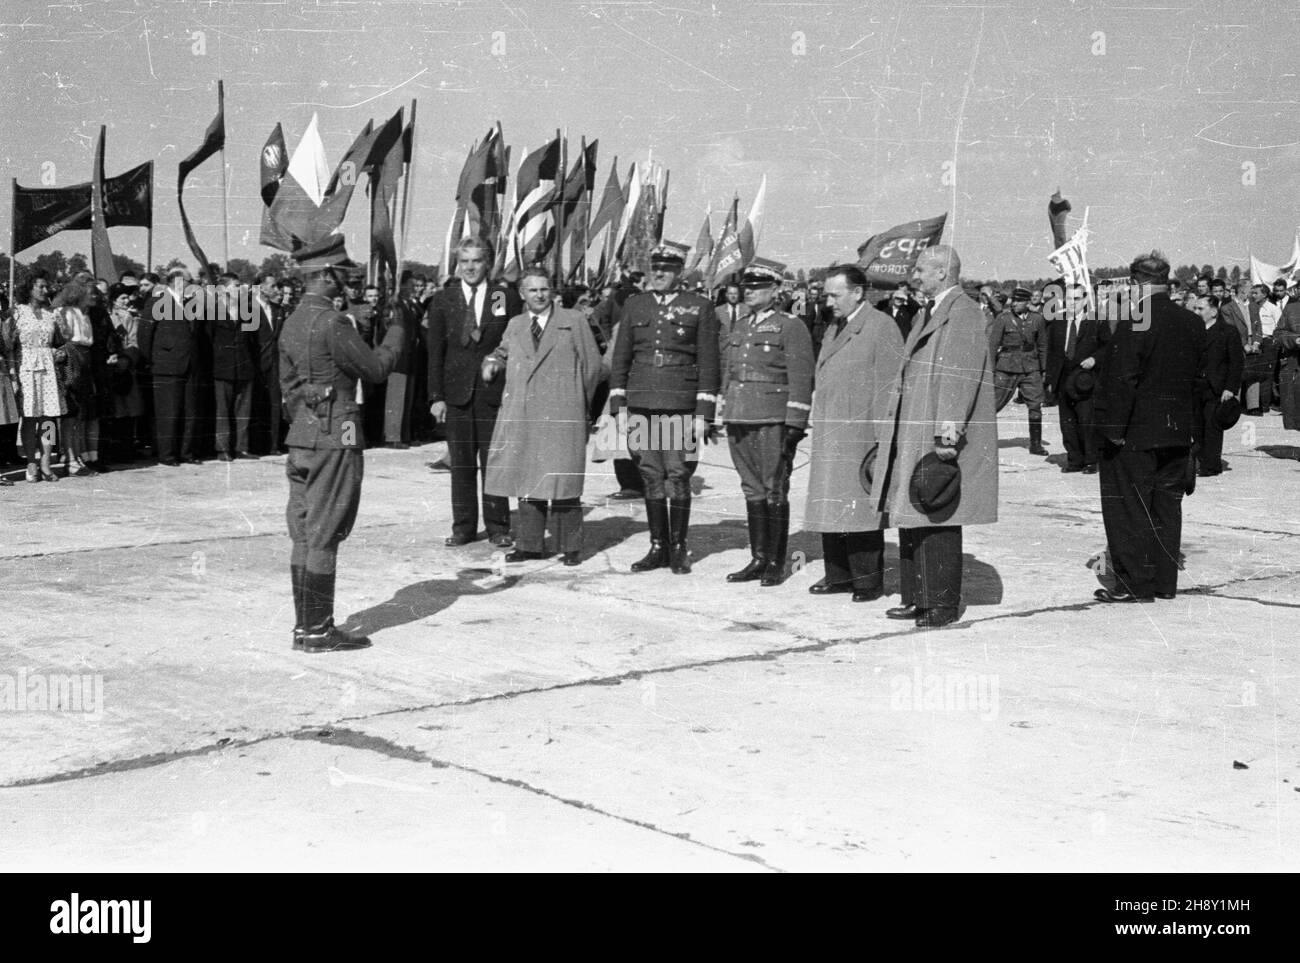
(470, 436)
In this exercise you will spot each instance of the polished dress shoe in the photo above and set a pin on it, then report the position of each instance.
(330, 638)
(1037, 450)
(869, 596)
(572, 558)
(901, 612)
(454, 541)
(1166, 595)
(625, 495)
(519, 555)
(502, 541)
(169, 462)
(936, 618)
(823, 587)
(1090, 469)
(225, 456)
(1068, 469)
(1106, 595)
(245, 456)
(754, 570)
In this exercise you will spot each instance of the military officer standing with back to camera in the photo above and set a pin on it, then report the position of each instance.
(767, 386)
(1018, 350)
(321, 359)
(665, 372)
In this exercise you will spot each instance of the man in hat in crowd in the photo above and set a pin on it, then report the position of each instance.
(1018, 347)
(1076, 344)
(767, 374)
(859, 359)
(539, 446)
(465, 325)
(937, 468)
(321, 359)
(171, 345)
(1146, 405)
(1220, 381)
(665, 372)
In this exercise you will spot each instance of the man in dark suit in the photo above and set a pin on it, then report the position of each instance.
(1076, 344)
(1220, 380)
(465, 325)
(233, 348)
(899, 306)
(1146, 415)
(268, 321)
(170, 345)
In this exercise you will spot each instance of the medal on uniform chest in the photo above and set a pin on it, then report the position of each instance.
(681, 331)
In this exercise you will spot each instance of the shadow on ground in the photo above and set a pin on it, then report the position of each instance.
(422, 599)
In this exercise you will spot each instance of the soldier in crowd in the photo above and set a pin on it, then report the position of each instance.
(767, 386)
(321, 359)
(1018, 350)
(665, 371)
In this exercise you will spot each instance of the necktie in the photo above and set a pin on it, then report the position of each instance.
(536, 330)
(1072, 338)
(733, 314)
(472, 310)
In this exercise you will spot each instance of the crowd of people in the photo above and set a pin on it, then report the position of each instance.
(108, 375)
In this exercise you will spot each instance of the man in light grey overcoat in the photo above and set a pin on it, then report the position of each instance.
(539, 445)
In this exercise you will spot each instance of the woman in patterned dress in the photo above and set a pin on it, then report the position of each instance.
(9, 410)
(35, 352)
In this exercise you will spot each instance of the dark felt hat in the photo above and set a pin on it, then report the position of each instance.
(936, 487)
(1079, 385)
(1227, 413)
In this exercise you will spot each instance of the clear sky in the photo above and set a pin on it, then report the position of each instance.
(1177, 123)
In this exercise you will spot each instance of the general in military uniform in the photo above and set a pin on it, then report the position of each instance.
(321, 358)
(665, 372)
(767, 386)
(1018, 349)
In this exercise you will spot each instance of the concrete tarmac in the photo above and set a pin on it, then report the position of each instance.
(541, 717)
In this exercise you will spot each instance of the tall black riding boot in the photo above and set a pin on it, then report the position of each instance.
(778, 534)
(656, 513)
(1036, 433)
(757, 512)
(321, 634)
(679, 521)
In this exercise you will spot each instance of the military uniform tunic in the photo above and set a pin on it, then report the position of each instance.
(321, 358)
(767, 387)
(1018, 350)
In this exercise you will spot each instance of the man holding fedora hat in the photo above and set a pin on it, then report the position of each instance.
(1075, 347)
(1218, 408)
(937, 469)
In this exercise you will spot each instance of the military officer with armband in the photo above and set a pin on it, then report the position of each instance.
(321, 359)
(767, 386)
(1018, 351)
(665, 372)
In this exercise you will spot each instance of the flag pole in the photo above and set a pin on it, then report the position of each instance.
(225, 210)
(13, 236)
(403, 218)
(560, 176)
(148, 247)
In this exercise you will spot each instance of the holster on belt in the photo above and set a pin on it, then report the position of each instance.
(320, 399)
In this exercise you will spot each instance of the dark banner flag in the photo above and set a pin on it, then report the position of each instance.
(1057, 208)
(272, 165)
(213, 140)
(42, 212)
(388, 154)
(888, 258)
